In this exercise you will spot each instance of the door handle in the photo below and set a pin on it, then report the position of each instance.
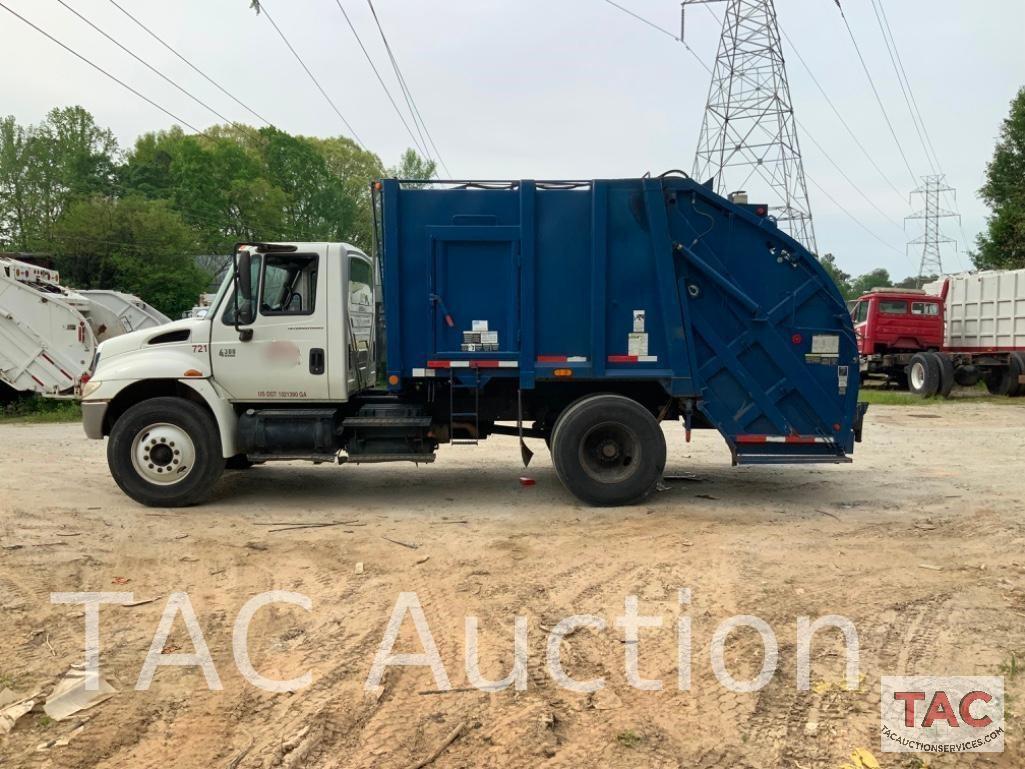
(316, 361)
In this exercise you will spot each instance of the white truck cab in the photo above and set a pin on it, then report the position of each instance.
(297, 326)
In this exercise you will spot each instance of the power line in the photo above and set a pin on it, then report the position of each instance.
(858, 222)
(851, 182)
(911, 93)
(100, 69)
(832, 106)
(905, 90)
(148, 66)
(261, 8)
(822, 149)
(912, 103)
(803, 128)
(879, 100)
(196, 69)
(420, 147)
(406, 92)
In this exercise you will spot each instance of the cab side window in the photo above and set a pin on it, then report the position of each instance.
(861, 313)
(289, 285)
(930, 309)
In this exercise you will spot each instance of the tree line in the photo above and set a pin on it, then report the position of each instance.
(140, 220)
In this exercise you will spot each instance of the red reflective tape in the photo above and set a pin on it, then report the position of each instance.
(48, 358)
(751, 438)
(552, 358)
(438, 363)
(449, 322)
(37, 381)
(622, 359)
(799, 439)
(485, 363)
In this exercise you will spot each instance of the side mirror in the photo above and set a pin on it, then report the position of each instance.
(244, 290)
(243, 271)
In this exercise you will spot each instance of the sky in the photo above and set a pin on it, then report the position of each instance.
(559, 89)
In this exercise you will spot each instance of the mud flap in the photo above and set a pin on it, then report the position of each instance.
(525, 453)
(859, 421)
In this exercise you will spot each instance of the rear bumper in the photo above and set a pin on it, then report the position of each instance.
(93, 413)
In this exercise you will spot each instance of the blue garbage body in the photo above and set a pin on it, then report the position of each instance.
(628, 280)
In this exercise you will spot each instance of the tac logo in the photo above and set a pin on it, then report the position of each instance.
(931, 714)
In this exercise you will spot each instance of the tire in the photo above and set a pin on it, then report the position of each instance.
(608, 450)
(165, 435)
(1001, 381)
(924, 374)
(947, 379)
(1017, 369)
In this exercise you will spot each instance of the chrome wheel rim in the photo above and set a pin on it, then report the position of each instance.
(163, 454)
(917, 375)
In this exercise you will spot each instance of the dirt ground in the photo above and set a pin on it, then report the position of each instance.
(919, 543)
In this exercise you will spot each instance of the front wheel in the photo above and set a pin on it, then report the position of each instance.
(608, 450)
(165, 452)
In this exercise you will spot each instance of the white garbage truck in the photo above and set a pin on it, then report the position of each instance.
(49, 333)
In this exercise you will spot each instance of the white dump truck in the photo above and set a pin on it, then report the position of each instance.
(49, 333)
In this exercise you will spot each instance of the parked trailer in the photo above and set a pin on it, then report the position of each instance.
(49, 333)
(580, 313)
(960, 330)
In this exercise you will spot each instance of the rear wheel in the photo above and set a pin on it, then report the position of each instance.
(1002, 380)
(165, 452)
(1017, 362)
(924, 374)
(608, 450)
(947, 379)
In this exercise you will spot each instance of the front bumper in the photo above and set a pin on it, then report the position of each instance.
(93, 413)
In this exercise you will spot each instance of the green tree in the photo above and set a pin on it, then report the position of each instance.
(840, 278)
(44, 167)
(131, 244)
(878, 278)
(413, 166)
(357, 169)
(1002, 246)
(216, 182)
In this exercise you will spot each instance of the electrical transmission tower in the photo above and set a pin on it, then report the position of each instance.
(932, 240)
(749, 127)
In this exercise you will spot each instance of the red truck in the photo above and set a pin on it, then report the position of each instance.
(971, 331)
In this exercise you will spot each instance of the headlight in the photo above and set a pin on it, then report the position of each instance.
(90, 387)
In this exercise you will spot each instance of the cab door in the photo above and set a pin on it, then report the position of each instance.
(360, 315)
(860, 319)
(286, 357)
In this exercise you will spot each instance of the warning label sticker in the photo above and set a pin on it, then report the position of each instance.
(825, 344)
(637, 344)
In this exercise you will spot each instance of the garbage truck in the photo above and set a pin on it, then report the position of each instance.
(579, 313)
(960, 330)
(49, 332)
